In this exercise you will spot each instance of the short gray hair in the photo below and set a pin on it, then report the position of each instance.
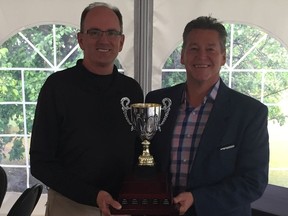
(206, 22)
(100, 4)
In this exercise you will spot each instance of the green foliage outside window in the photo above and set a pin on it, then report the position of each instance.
(29, 57)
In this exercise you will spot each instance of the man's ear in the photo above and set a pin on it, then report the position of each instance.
(224, 58)
(121, 42)
(80, 39)
(182, 57)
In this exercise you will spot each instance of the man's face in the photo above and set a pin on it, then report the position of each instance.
(203, 56)
(100, 50)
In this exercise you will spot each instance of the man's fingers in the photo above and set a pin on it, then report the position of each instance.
(116, 205)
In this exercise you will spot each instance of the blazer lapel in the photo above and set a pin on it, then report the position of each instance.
(216, 125)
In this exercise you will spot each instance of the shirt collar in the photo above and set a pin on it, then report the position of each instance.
(211, 96)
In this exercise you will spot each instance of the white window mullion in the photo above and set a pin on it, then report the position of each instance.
(26, 146)
(54, 46)
(35, 49)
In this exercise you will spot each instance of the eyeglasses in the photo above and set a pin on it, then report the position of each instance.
(97, 33)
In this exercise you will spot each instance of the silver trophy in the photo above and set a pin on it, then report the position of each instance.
(145, 119)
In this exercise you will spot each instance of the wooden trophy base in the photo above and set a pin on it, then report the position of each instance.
(143, 194)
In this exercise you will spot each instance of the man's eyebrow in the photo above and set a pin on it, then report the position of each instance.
(212, 44)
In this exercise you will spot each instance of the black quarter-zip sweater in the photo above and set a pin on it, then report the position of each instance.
(81, 142)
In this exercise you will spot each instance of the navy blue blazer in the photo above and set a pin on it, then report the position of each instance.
(230, 169)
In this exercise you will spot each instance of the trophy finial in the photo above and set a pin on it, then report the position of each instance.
(166, 108)
(125, 101)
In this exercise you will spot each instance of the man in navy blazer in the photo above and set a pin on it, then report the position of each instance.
(214, 143)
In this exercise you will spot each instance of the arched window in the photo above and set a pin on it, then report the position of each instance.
(26, 60)
(257, 65)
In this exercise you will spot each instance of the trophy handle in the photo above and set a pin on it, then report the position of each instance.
(125, 101)
(166, 108)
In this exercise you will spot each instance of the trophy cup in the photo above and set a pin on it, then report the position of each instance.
(146, 192)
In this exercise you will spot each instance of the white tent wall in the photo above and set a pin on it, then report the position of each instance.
(16, 15)
(171, 16)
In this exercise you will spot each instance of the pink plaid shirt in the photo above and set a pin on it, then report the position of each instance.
(189, 127)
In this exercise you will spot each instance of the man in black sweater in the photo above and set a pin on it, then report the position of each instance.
(81, 145)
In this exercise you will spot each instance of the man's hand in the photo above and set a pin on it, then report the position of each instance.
(104, 201)
(184, 201)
